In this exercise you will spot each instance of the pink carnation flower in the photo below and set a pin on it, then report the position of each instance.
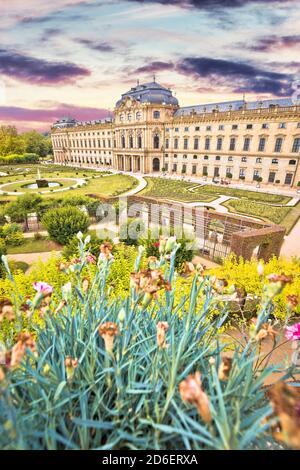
(43, 288)
(293, 332)
(91, 259)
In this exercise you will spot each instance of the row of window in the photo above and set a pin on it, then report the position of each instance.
(207, 143)
(258, 160)
(221, 127)
(242, 173)
(233, 142)
(138, 116)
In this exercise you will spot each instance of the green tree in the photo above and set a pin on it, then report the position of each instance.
(37, 143)
(65, 222)
(22, 206)
(10, 141)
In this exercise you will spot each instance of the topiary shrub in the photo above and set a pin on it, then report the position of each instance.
(65, 222)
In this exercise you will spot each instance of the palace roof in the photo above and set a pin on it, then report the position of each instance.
(233, 106)
(150, 92)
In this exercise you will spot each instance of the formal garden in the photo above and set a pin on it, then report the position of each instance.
(263, 206)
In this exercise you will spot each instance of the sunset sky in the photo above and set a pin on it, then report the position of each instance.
(76, 57)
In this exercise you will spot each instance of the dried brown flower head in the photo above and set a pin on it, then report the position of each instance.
(15, 356)
(191, 392)
(266, 330)
(162, 327)
(285, 400)
(6, 310)
(108, 331)
(225, 368)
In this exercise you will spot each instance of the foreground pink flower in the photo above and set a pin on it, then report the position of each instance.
(293, 332)
(43, 288)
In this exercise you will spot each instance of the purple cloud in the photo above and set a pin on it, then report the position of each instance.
(39, 71)
(269, 43)
(214, 4)
(241, 77)
(96, 46)
(236, 76)
(27, 118)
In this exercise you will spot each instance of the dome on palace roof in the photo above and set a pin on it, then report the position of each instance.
(151, 92)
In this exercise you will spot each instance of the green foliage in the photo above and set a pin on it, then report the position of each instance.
(3, 251)
(132, 231)
(263, 211)
(184, 253)
(244, 274)
(71, 250)
(65, 222)
(22, 148)
(129, 398)
(11, 234)
(19, 209)
(16, 158)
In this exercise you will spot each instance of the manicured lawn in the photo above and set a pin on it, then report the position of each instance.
(96, 184)
(241, 193)
(31, 245)
(274, 214)
(191, 192)
(175, 190)
(291, 218)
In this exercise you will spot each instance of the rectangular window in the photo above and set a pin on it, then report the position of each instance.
(216, 172)
(246, 144)
(278, 145)
(221, 127)
(219, 143)
(175, 143)
(208, 128)
(230, 159)
(232, 144)
(194, 169)
(249, 126)
(272, 176)
(186, 129)
(204, 171)
(274, 161)
(197, 128)
(207, 143)
(288, 178)
(234, 126)
(296, 145)
(265, 125)
(196, 143)
(185, 144)
(167, 143)
(262, 144)
(282, 125)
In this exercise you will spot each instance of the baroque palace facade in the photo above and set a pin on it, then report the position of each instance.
(149, 133)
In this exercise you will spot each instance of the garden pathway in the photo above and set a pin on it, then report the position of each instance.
(30, 258)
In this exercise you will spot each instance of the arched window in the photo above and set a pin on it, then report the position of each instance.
(156, 141)
(130, 142)
(139, 141)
